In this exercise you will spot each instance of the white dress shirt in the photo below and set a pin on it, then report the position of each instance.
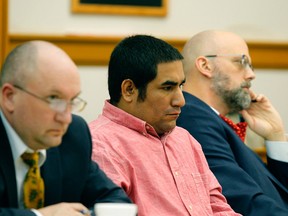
(18, 147)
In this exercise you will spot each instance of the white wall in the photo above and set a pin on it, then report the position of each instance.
(94, 90)
(254, 20)
(274, 84)
(257, 20)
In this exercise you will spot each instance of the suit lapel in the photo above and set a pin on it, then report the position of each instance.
(260, 165)
(195, 100)
(7, 167)
(52, 174)
(50, 171)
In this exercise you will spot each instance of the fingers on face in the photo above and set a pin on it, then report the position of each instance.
(257, 98)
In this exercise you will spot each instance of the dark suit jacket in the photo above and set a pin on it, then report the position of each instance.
(68, 172)
(250, 187)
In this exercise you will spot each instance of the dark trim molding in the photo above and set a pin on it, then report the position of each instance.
(120, 7)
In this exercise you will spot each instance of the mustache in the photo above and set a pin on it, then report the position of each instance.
(246, 84)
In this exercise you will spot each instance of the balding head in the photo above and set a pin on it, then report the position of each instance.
(22, 58)
(211, 42)
(24, 61)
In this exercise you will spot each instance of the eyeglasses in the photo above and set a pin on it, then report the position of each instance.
(57, 104)
(243, 60)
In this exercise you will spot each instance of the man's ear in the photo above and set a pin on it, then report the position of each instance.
(128, 90)
(7, 97)
(204, 66)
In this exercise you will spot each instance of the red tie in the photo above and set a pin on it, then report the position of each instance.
(239, 128)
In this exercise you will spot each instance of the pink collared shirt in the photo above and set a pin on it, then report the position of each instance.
(164, 176)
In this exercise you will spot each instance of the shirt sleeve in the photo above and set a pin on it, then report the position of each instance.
(277, 150)
(37, 213)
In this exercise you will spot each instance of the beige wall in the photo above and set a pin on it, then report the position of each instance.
(254, 20)
(257, 20)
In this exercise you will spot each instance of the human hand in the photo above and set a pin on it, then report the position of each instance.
(264, 119)
(65, 209)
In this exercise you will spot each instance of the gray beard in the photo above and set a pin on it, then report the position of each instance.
(236, 99)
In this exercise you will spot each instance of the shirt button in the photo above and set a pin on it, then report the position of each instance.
(176, 173)
(190, 207)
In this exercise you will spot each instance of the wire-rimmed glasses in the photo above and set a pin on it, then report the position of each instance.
(57, 104)
(243, 59)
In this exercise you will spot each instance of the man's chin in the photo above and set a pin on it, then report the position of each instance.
(53, 142)
(171, 126)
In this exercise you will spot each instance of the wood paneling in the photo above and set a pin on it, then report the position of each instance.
(269, 55)
(90, 50)
(3, 29)
(262, 153)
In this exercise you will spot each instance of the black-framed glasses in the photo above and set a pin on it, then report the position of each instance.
(57, 104)
(243, 59)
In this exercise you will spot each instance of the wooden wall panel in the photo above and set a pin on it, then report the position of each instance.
(3, 29)
(269, 55)
(88, 50)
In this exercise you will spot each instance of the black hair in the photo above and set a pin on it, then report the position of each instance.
(136, 58)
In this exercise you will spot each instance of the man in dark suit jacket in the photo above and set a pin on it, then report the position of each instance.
(39, 89)
(218, 79)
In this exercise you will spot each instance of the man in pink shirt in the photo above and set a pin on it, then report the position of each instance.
(136, 142)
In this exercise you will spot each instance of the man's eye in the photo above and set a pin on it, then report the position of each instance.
(241, 61)
(167, 88)
(245, 60)
(52, 97)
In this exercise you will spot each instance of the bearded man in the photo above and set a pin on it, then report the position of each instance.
(218, 73)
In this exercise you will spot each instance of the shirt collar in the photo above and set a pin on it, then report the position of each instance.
(18, 147)
(125, 119)
(216, 111)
